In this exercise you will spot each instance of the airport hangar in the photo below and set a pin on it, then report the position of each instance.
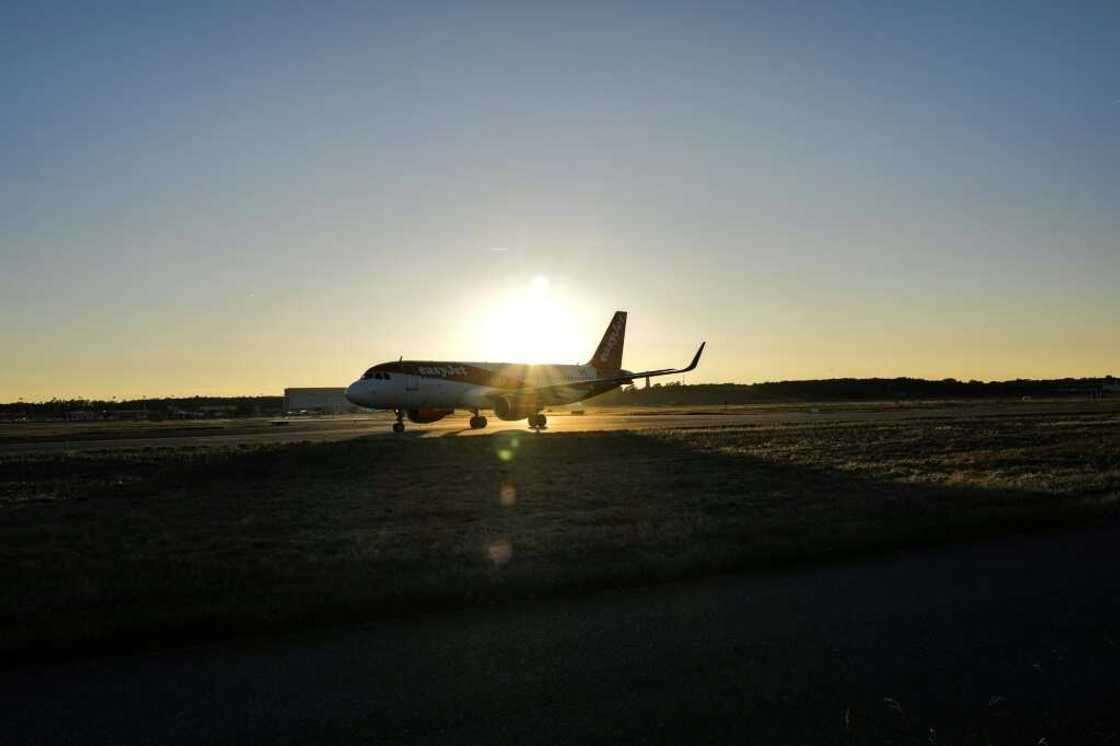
(318, 400)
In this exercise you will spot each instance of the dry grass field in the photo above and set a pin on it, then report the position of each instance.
(116, 549)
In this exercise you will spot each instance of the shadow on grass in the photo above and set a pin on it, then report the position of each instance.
(211, 543)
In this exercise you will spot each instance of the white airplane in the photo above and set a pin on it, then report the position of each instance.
(426, 390)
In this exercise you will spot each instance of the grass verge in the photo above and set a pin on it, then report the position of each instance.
(111, 550)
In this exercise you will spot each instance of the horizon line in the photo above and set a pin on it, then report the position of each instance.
(950, 379)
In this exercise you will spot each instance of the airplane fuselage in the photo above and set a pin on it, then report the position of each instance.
(427, 390)
(432, 384)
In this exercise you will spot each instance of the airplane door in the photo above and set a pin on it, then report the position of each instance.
(412, 382)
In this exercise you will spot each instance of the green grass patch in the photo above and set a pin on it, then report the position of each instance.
(120, 548)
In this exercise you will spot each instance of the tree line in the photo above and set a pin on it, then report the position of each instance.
(856, 389)
(168, 406)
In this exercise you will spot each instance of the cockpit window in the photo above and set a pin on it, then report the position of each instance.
(376, 374)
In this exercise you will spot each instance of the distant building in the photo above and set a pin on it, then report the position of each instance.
(175, 413)
(218, 410)
(93, 415)
(323, 400)
(128, 414)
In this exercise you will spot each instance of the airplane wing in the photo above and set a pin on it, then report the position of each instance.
(560, 393)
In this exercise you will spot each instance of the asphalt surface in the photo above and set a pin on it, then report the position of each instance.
(1003, 642)
(76, 437)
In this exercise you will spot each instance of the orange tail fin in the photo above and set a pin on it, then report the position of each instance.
(608, 356)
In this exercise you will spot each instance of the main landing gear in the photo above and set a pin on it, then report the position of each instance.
(398, 426)
(477, 421)
(537, 422)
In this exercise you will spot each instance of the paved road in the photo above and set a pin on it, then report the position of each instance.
(1014, 640)
(21, 438)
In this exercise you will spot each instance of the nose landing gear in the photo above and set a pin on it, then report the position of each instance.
(478, 421)
(538, 422)
(398, 426)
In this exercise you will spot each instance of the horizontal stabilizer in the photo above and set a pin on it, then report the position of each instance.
(555, 393)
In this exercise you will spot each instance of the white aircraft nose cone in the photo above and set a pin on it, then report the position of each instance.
(352, 394)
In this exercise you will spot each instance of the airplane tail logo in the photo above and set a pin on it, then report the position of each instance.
(608, 356)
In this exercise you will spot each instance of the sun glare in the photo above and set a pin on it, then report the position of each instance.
(531, 323)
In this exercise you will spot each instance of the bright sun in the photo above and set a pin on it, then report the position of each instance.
(531, 323)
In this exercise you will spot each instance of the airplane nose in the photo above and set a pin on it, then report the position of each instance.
(352, 393)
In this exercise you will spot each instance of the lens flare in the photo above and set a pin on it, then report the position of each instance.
(500, 552)
(506, 445)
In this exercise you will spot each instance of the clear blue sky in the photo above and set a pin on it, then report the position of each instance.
(232, 198)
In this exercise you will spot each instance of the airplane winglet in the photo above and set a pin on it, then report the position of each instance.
(695, 359)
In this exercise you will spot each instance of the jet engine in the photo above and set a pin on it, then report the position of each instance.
(514, 410)
(427, 415)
